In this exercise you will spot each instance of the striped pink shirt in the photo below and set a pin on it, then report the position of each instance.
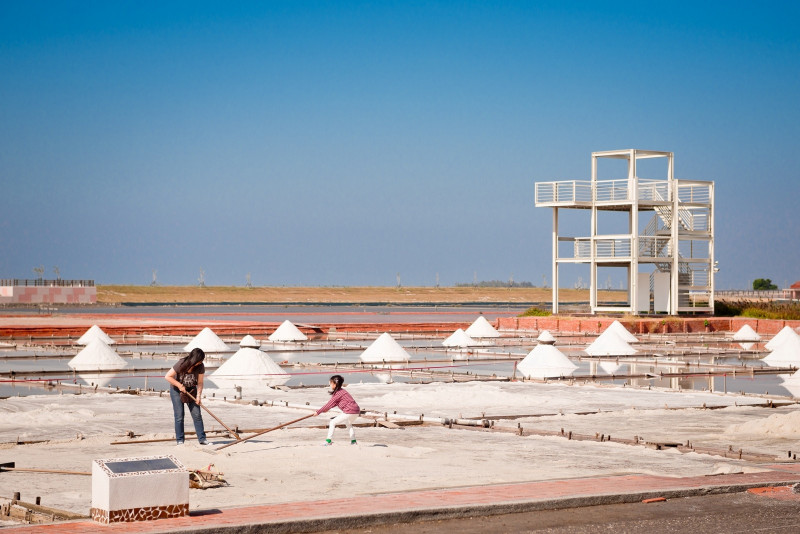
(344, 401)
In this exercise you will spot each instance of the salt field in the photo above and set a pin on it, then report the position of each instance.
(541, 402)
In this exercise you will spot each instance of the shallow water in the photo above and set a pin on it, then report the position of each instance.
(425, 352)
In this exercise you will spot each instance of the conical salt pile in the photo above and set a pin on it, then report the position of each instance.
(746, 333)
(786, 354)
(610, 344)
(481, 329)
(459, 338)
(249, 341)
(546, 338)
(249, 366)
(792, 384)
(785, 333)
(208, 341)
(95, 332)
(96, 356)
(287, 332)
(623, 332)
(545, 361)
(384, 348)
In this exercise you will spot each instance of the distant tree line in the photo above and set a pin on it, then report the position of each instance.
(495, 283)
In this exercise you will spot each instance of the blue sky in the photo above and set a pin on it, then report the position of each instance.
(341, 143)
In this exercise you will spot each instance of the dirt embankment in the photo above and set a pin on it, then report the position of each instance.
(108, 294)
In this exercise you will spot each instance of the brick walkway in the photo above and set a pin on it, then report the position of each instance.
(444, 503)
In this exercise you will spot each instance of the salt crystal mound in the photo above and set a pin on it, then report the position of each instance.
(609, 343)
(97, 356)
(208, 341)
(287, 332)
(546, 337)
(787, 353)
(384, 348)
(459, 338)
(623, 332)
(785, 333)
(95, 332)
(481, 328)
(786, 426)
(746, 333)
(792, 384)
(249, 367)
(545, 361)
(249, 341)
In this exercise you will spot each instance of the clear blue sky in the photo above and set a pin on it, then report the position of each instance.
(341, 143)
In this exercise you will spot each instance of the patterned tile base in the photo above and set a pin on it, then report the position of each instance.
(140, 514)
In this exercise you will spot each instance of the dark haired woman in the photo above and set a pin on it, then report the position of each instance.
(186, 376)
(344, 401)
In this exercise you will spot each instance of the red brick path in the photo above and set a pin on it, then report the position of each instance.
(477, 500)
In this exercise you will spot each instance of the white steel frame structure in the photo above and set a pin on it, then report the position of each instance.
(675, 249)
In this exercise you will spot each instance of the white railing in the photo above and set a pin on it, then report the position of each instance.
(654, 247)
(566, 192)
(652, 226)
(613, 248)
(694, 192)
(654, 190)
(583, 247)
(612, 191)
(620, 191)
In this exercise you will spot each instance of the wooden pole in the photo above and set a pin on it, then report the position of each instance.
(234, 434)
(50, 471)
(240, 440)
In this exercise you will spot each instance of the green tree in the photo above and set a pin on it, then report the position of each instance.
(761, 284)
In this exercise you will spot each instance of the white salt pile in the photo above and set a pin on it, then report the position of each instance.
(208, 341)
(249, 366)
(785, 333)
(785, 426)
(95, 332)
(623, 332)
(609, 343)
(97, 356)
(546, 337)
(545, 361)
(746, 333)
(481, 328)
(385, 348)
(459, 338)
(786, 353)
(287, 332)
(249, 341)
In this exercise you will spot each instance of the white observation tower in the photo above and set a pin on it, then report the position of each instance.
(664, 244)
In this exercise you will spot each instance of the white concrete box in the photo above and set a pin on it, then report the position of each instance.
(139, 489)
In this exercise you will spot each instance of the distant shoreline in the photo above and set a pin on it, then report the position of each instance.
(354, 296)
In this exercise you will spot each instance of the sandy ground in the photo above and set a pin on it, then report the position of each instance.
(291, 464)
(110, 294)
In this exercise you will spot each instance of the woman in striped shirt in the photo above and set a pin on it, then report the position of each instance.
(344, 401)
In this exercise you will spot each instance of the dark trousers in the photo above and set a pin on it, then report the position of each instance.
(194, 411)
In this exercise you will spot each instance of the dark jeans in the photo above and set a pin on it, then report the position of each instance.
(194, 411)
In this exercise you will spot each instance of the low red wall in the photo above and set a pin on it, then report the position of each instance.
(595, 325)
